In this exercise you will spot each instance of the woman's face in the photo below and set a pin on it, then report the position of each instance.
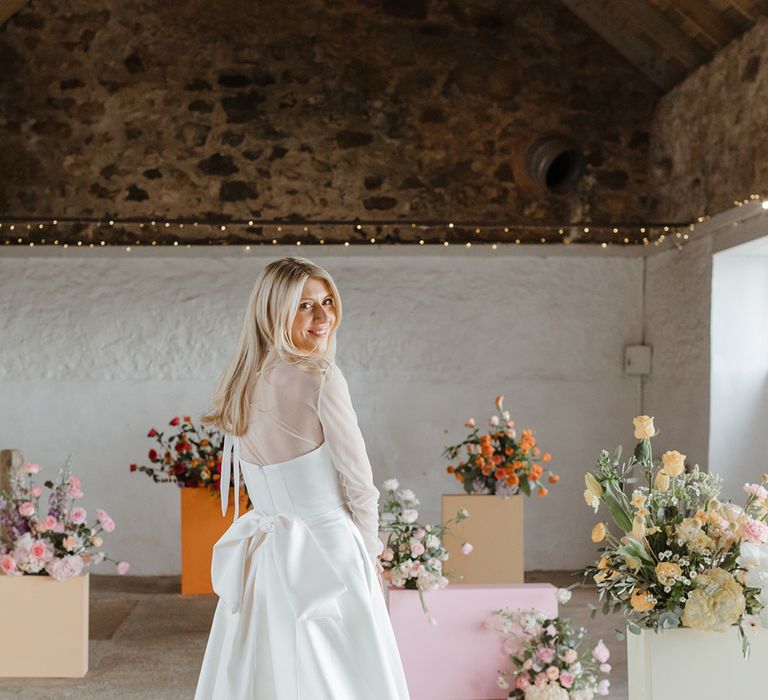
(316, 316)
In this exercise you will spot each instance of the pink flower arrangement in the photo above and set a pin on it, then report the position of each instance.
(547, 653)
(60, 543)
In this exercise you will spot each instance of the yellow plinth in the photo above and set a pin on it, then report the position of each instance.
(44, 627)
(495, 530)
(201, 526)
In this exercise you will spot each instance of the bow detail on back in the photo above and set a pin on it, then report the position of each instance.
(304, 574)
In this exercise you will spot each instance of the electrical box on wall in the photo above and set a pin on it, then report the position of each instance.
(637, 359)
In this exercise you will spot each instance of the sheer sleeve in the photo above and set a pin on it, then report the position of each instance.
(347, 448)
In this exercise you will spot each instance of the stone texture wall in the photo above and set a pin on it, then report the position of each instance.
(99, 345)
(314, 109)
(709, 141)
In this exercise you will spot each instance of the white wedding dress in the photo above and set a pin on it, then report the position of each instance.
(301, 613)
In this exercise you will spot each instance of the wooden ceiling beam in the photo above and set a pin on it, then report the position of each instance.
(644, 35)
(9, 7)
(702, 19)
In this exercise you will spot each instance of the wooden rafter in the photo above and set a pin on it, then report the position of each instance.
(9, 7)
(700, 18)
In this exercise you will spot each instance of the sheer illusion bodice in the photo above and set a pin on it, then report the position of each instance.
(292, 411)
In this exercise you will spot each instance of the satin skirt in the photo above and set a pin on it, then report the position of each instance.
(301, 614)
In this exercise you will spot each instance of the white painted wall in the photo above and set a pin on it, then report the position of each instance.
(98, 346)
(738, 445)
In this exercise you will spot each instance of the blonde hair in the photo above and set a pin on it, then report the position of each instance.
(266, 330)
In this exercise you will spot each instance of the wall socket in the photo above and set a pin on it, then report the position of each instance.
(637, 360)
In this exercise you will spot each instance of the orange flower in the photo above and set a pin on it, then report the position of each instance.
(450, 469)
(497, 459)
(204, 443)
(485, 439)
(458, 476)
(513, 480)
(536, 451)
(187, 419)
(479, 461)
(508, 451)
(501, 474)
(487, 451)
(553, 478)
(537, 469)
(543, 491)
(546, 457)
(533, 476)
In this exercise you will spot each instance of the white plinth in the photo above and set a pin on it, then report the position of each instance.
(682, 664)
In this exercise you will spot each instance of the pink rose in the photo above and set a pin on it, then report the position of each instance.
(510, 424)
(78, 515)
(494, 420)
(8, 565)
(50, 522)
(30, 468)
(69, 542)
(123, 567)
(605, 668)
(106, 522)
(74, 487)
(27, 509)
(546, 655)
(755, 531)
(541, 680)
(388, 554)
(417, 549)
(600, 653)
(470, 423)
(466, 548)
(570, 656)
(553, 672)
(39, 550)
(566, 679)
(603, 687)
(522, 683)
(36, 491)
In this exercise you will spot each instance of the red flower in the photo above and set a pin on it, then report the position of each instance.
(175, 421)
(182, 446)
(152, 433)
(133, 467)
(153, 455)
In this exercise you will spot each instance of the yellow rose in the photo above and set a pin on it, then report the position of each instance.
(644, 427)
(661, 482)
(642, 601)
(674, 463)
(598, 532)
(667, 572)
(638, 527)
(593, 485)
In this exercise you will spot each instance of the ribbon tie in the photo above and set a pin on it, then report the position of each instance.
(305, 576)
(226, 469)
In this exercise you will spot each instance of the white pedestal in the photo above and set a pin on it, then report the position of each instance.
(686, 664)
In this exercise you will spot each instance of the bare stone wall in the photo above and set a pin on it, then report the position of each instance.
(709, 137)
(313, 108)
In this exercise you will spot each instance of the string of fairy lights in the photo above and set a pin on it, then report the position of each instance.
(134, 232)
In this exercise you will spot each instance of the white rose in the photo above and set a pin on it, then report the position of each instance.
(391, 485)
(643, 427)
(410, 515)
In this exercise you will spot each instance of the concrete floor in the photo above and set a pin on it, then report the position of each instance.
(147, 642)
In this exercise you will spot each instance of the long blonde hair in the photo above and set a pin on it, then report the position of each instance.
(269, 318)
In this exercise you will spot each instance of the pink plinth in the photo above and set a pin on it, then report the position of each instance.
(459, 658)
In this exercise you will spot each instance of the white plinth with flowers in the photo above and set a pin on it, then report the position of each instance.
(683, 663)
(44, 627)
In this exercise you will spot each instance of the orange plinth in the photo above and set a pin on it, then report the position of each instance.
(201, 526)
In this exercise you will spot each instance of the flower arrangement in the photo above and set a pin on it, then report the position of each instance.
(497, 462)
(185, 457)
(681, 557)
(414, 555)
(547, 659)
(61, 543)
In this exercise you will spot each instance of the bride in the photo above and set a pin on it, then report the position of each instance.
(301, 614)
